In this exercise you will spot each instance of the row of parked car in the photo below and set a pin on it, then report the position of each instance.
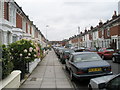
(86, 64)
(105, 53)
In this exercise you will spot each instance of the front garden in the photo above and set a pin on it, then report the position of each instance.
(18, 55)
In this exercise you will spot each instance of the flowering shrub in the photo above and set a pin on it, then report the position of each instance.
(40, 51)
(7, 65)
(22, 52)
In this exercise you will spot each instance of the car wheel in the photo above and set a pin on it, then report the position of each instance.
(103, 57)
(71, 76)
(113, 59)
(66, 68)
(89, 87)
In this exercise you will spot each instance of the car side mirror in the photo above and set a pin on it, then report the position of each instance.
(102, 85)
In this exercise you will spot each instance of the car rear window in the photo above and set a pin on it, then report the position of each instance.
(87, 57)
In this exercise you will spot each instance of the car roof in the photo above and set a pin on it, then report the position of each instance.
(77, 53)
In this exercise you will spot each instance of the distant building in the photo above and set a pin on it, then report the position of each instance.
(119, 7)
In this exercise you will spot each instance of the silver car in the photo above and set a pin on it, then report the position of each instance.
(109, 82)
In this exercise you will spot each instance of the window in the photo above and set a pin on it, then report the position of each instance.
(109, 49)
(8, 37)
(114, 84)
(14, 38)
(86, 57)
(108, 32)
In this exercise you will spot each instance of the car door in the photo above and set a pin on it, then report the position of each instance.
(114, 84)
(69, 62)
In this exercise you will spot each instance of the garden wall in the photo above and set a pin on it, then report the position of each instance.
(11, 81)
(33, 64)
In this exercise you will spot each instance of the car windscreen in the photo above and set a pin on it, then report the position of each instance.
(109, 49)
(87, 57)
(69, 51)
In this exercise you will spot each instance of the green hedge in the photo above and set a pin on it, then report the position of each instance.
(7, 65)
(17, 55)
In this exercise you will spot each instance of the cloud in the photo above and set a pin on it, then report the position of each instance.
(64, 16)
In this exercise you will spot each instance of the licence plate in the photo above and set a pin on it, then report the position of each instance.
(94, 69)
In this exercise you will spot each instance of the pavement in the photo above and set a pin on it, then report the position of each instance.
(48, 74)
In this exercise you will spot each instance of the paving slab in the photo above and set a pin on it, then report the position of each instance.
(48, 74)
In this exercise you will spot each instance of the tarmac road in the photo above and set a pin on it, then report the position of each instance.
(82, 85)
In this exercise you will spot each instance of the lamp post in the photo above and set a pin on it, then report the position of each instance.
(46, 34)
(78, 36)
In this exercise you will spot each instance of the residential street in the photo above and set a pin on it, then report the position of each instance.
(48, 74)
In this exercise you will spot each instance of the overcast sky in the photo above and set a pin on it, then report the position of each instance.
(64, 16)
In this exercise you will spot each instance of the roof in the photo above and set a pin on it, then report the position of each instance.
(77, 53)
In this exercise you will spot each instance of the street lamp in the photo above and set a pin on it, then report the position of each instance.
(46, 34)
(78, 36)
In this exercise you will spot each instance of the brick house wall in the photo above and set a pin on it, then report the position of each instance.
(115, 30)
(6, 11)
(18, 21)
(100, 33)
(106, 36)
(26, 27)
(90, 36)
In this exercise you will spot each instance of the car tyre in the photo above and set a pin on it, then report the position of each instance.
(89, 87)
(113, 59)
(66, 68)
(71, 76)
(103, 57)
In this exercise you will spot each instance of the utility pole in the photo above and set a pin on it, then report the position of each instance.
(46, 35)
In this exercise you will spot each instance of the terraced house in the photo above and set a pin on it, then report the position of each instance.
(103, 35)
(16, 25)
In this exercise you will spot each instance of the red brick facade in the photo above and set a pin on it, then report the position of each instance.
(75, 40)
(18, 21)
(100, 33)
(90, 36)
(26, 27)
(6, 11)
(115, 30)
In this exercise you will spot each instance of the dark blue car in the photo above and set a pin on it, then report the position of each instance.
(86, 65)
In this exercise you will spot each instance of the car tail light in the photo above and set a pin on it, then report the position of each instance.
(107, 69)
(79, 72)
(65, 56)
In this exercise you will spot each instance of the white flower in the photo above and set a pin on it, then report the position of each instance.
(30, 49)
(34, 55)
(21, 55)
(27, 57)
(25, 50)
(12, 49)
(29, 54)
(31, 43)
(34, 50)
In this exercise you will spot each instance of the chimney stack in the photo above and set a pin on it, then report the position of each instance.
(91, 27)
(100, 23)
(114, 15)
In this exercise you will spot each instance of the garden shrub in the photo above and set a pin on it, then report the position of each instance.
(7, 65)
(23, 52)
(41, 51)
